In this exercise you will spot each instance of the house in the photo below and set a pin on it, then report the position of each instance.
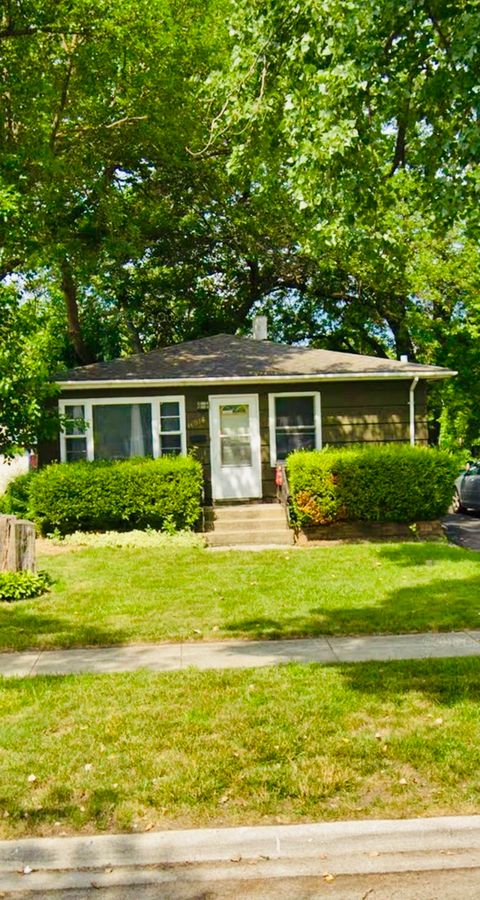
(241, 404)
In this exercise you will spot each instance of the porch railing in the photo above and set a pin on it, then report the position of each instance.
(283, 491)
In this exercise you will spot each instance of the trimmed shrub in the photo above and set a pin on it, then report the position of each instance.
(23, 585)
(121, 495)
(16, 499)
(382, 483)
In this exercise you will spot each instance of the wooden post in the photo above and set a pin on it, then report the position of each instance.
(24, 541)
(17, 545)
(6, 558)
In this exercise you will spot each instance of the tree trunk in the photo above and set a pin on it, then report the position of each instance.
(396, 319)
(17, 545)
(69, 288)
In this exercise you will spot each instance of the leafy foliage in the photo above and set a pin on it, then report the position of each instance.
(379, 483)
(23, 585)
(367, 114)
(168, 168)
(26, 355)
(16, 499)
(148, 538)
(99, 107)
(101, 496)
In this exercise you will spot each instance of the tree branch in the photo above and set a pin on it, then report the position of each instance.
(70, 293)
(31, 30)
(400, 153)
(63, 102)
(436, 24)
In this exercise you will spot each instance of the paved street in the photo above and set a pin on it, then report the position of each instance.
(417, 858)
(463, 530)
(450, 885)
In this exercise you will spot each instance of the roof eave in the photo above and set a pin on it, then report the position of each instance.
(98, 384)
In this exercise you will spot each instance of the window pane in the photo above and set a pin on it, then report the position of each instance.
(234, 419)
(75, 416)
(169, 423)
(75, 448)
(171, 408)
(235, 435)
(170, 444)
(236, 451)
(288, 441)
(291, 411)
(122, 430)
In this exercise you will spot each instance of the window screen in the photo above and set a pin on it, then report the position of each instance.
(294, 425)
(122, 430)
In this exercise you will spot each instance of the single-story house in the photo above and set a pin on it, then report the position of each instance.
(241, 404)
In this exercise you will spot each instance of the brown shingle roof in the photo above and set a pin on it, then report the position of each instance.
(234, 358)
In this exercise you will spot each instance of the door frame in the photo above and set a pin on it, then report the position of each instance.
(214, 402)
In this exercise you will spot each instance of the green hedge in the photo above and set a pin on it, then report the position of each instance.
(16, 499)
(385, 483)
(101, 496)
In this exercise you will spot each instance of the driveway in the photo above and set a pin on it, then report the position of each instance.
(463, 530)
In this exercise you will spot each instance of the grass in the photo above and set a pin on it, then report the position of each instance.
(180, 591)
(287, 744)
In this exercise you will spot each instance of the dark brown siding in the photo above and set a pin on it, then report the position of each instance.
(48, 452)
(352, 412)
(372, 412)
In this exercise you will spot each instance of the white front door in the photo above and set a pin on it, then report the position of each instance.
(235, 447)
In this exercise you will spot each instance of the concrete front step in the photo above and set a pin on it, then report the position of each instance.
(263, 526)
(282, 537)
(235, 525)
(247, 512)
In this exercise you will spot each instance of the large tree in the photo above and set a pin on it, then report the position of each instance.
(98, 106)
(367, 114)
(325, 173)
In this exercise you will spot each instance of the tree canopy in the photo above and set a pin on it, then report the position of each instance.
(368, 114)
(168, 168)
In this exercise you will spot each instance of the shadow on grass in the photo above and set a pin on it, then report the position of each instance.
(23, 629)
(440, 605)
(63, 809)
(448, 682)
(421, 554)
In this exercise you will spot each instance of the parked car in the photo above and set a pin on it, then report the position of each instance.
(467, 489)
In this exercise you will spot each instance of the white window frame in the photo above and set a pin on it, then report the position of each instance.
(90, 402)
(158, 432)
(63, 435)
(317, 418)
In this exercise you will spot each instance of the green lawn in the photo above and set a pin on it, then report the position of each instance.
(177, 591)
(286, 744)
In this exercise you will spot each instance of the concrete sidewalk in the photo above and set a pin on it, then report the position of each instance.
(207, 857)
(169, 657)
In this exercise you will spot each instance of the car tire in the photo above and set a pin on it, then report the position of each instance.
(457, 505)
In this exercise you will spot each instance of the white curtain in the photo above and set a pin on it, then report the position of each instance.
(137, 443)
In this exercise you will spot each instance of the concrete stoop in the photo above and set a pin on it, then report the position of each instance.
(248, 524)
